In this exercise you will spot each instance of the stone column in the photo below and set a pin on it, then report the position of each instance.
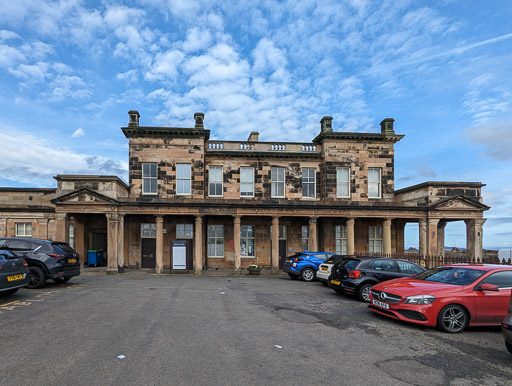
(440, 237)
(112, 222)
(236, 241)
(432, 236)
(120, 244)
(80, 241)
(423, 237)
(61, 227)
(400, 236)
(313, 239)
(3, 227)
(350, 236)
(159, 266)
(198, 246)
(275, 245)
(386, 237)
(474, 236)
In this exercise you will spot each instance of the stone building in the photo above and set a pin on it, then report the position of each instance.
(194, 203)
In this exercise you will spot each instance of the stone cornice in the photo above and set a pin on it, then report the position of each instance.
(340, 135)
(162, 132)
(440, 184)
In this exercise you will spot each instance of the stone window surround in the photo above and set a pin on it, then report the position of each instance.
(378, 182)
(150, 177)
(309, 183)
(189, 179)
(277, 182)
(216, 182)
(246, 182)
(340, 182)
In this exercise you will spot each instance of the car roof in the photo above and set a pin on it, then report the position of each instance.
(26, 239)
(481, 267)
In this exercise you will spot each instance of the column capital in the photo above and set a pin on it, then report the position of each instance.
(199, 219)
(237, 219)
(387, 222)
(350, 222)
(61, 216)
(275, 220)
(422, 222)
(433, 221)
(480, 221)
(112, 216)
(159, 218)
(313, 220)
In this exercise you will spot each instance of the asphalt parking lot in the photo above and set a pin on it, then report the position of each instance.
(207, 330)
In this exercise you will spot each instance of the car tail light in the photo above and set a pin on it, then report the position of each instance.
(354, 274)
(297, 260)
(55, 255)
(24, 264)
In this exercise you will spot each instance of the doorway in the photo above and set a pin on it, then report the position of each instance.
(148, 253)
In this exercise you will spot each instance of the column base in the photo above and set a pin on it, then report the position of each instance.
(198, 271)
(112, 271)
(275, 271)
(159, 270)
(237, 272)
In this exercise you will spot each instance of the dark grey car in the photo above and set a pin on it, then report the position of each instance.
(14, 273)
(506, 327)
(46, 259)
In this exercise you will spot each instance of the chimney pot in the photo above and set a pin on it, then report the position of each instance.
(387, 126)
(326, 124)
(199, 118)
(134, 118)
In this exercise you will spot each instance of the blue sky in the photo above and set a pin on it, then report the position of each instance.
(70, 70)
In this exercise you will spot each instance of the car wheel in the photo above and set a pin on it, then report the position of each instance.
(364, 293)
(9, 292)
(37, 278)
(509, 347)
(307, 274)
(61, 280)
(452, 318)
(294, 277)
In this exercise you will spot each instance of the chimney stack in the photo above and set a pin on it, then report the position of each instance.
(253, 137)
(134, 118)
(199, 118)
(326, 125)
(386, 126)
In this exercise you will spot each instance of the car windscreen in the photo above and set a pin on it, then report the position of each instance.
(450, 275)
(62, 247)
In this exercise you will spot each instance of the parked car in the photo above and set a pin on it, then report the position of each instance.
(450, 297)
(305, 264)
(13, 273)
(506, 327)
(46, 259)
(324, 270)
(357, 275)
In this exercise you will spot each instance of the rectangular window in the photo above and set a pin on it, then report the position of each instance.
(215, 181)
(305, 237)
(246, 182)
(184, 231)
(341, 239)
(282, 232)
(23, 229)
(343, 182)
(247, 241)
(183, 178)
(149, 178)
(148, 231)
(277, 185)
(215, 241)
(375, 239)
(308, 183)
(71, 235)
(374, 184)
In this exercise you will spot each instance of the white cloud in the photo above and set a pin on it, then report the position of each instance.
(78, 133)
(267, 57)
(68, 86)
(165, 65)
(8, 35)
(497, 139)
(9, 56)
(36, 72)
(197, 39)
(130, 75)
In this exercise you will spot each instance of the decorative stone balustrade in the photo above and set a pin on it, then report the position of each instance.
(263, 146)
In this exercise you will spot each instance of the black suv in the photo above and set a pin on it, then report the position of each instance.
(46, 259)
(357, 275)
(13, 273)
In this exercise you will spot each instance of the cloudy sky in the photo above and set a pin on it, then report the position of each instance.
(70, 70)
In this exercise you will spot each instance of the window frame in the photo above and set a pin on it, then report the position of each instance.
(277, 182)
(379, 182)
(305, 239)
(214, 238)
(304, 183)
(242, 193)
(24, 233)
(215, 182)
(244, 241)
(341, 242)
(186, 226)
(178, 179)
(150, 178)
(375, 238)
(339, 182)
(150, 234)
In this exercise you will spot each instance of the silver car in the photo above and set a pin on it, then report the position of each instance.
(506, 327)
(13, 273)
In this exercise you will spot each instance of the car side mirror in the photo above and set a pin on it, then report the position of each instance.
(488, 287)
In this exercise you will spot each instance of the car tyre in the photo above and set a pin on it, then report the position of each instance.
(364, 293)
(308, 274)
(61, 280)
(37, 279)
(509, 347)
(452, 319)
(9, 292)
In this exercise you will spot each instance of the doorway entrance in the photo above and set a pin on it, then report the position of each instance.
(148, 245)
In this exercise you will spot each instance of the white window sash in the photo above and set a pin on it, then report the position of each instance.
(343, 182)
(246, 182)
(215, 179)
(277, 177)
(374, 183)
(149, 178)
(308, 183)
(183, 179)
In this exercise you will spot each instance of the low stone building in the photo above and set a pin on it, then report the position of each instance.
(193, 203)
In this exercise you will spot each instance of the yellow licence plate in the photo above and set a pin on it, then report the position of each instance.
(288, 261)
(14, 277)
(72, 260)
(323, 268)
(337, 282)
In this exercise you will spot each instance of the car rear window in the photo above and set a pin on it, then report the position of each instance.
(62, 247)
(349, 265)
(450, 275)
(3, 243)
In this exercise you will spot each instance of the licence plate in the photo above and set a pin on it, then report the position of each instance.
(337, 282)
(288, 261)
(323, 268)
(380, 304)
(72, 260)
(14, 277)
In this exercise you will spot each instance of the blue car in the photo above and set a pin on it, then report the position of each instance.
(305, 264)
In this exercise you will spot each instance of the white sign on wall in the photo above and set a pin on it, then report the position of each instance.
(179, 255)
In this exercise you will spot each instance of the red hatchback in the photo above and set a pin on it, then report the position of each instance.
(450, 297)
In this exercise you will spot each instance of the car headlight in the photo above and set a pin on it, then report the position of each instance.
(419, 299)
